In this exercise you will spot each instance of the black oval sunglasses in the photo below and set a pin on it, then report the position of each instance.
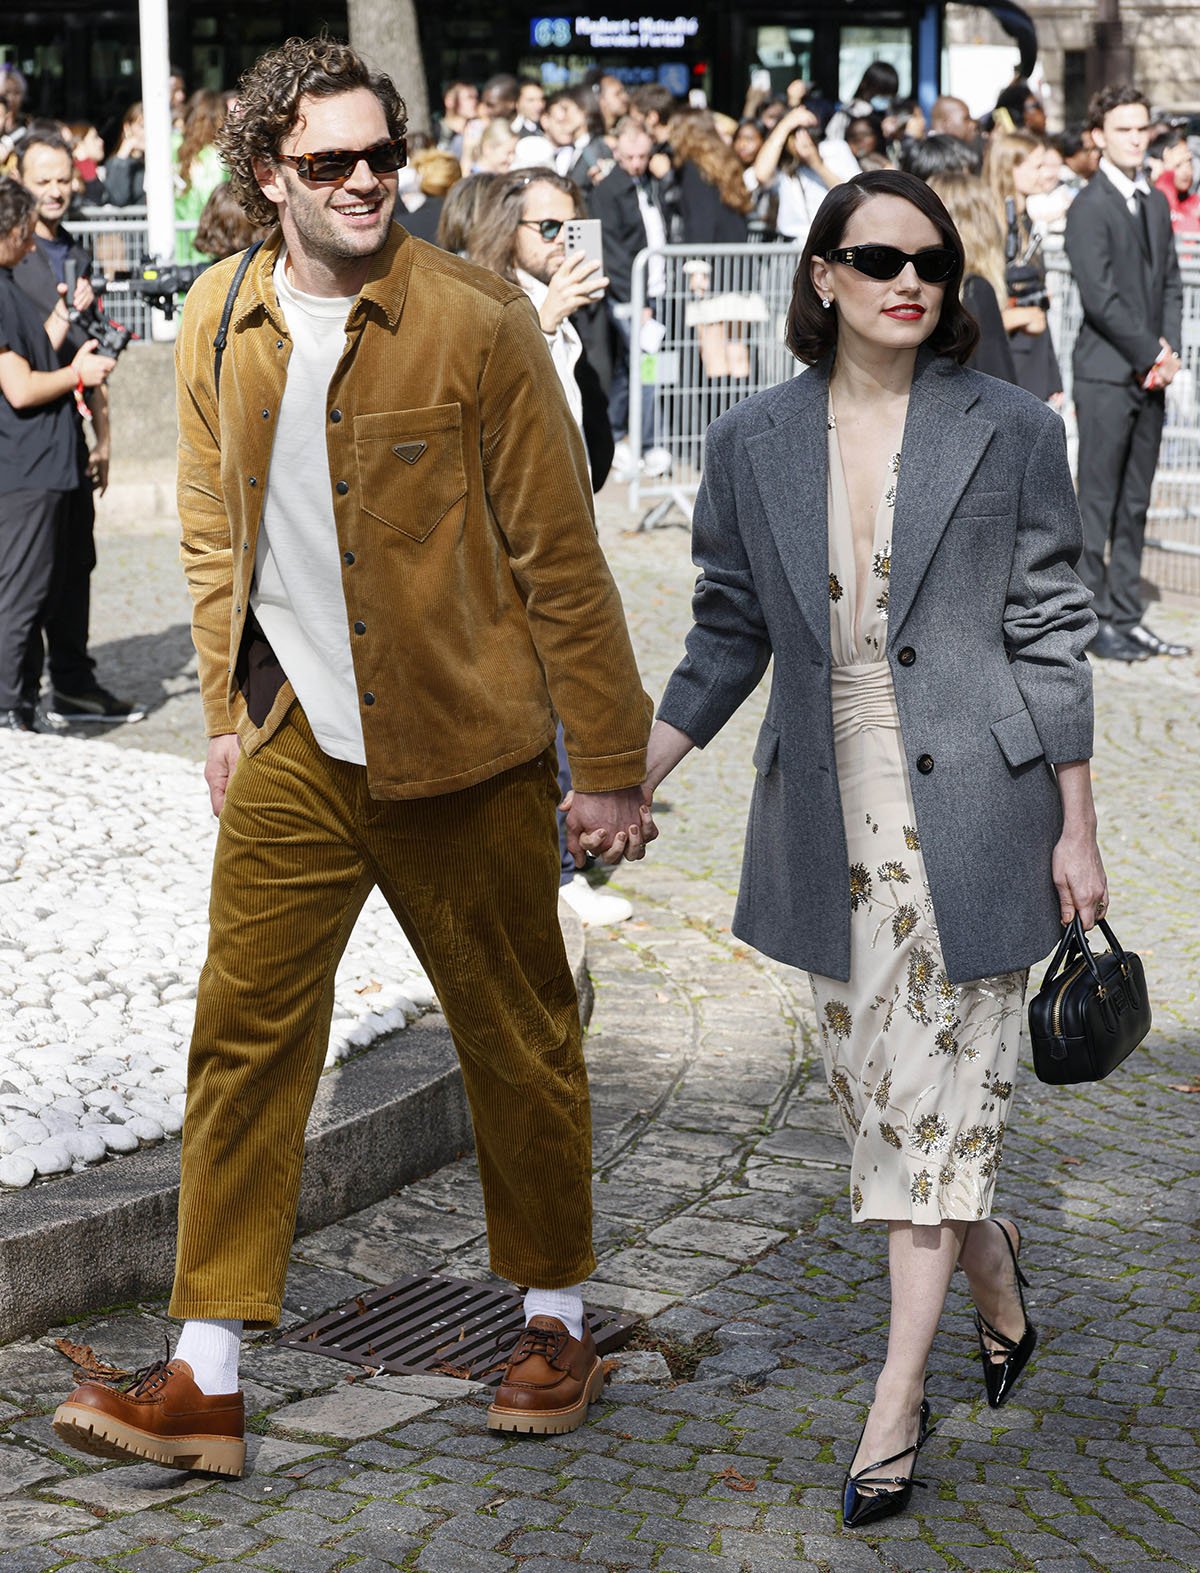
(934, 265)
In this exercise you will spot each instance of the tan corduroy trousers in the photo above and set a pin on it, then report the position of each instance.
(472, 877)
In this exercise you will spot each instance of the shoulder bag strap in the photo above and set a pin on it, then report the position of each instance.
(227, 312)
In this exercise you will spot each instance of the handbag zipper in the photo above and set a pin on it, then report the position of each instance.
(1058, 998)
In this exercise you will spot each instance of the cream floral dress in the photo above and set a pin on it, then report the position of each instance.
(920, 1070)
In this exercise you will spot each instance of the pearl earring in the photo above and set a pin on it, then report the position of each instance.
(826, 302)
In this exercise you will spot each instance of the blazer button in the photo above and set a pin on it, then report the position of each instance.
(278, 344)
(342, 488)
(335, 416)
(254, 480)
(925, 764)
(907, 656)
(348, 557)
(368, 698)
(360, 628)
(245, 546)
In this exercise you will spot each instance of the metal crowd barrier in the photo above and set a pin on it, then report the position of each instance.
(721, 312)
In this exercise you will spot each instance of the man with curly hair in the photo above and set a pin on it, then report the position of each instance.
(388, 536)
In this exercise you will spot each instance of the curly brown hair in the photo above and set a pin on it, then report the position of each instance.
(202, 122)
(694, 139)
(268, 107)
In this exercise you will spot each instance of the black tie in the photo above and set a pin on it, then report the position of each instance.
(1142, 199)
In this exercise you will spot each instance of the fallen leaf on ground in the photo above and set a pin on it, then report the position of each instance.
(1193, 1086)
(447, 1368)
(1073, 1162)
(736, 1481)
(370, 988)
(85, 1360)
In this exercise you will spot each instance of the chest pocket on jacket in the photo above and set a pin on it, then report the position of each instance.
(410, 467)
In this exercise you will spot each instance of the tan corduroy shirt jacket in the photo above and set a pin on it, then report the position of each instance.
(478, 600)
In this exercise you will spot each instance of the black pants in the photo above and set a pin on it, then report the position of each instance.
(29, 523)
(68, 606)
(1120, 429)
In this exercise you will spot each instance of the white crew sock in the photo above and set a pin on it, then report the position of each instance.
(211, 1348)
(566, 1304)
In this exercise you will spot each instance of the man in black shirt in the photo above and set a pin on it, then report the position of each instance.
(45, 167)
(37, 454)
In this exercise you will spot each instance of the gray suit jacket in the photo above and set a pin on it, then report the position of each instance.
(989, 621)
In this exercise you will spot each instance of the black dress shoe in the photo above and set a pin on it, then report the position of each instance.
(1112, 645)
(1007, 1358)
(1150, 642)
(868, 1496)
(17, 721)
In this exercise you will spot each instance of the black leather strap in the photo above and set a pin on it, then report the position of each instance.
(223, 331)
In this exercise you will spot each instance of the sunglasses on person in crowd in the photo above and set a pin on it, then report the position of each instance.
(547, 228)
(340, 163)
(934, 265)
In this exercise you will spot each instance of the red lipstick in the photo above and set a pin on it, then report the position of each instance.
(905, 313)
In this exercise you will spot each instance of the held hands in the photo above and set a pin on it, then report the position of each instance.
(90, 367)
(577, 281)
(1079, 877)
(609, 825)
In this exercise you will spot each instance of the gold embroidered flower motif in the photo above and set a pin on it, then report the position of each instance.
(835, 588)
(838, 1019)
(883, 1091)
(890, 497)
(922, 1186)
(893, 873)
(860, 886)
(871, 824)
(1002, 1090)
(881, 603)
(945, 1041)
(976, 1142)
(856, 1199)
(904, 923)
(895, 464)
(929, 1133)
(888, 1132)
(881, 567)
(946, 1174)
(921, 969)
(911, 839)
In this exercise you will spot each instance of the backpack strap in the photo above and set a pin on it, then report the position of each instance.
(223, 331)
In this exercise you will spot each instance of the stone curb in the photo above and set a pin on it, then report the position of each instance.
(106, 1236)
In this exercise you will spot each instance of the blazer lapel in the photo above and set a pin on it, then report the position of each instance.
(791, 470)
(943, 443)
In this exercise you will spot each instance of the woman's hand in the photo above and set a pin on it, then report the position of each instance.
(1076, 866)
(90, 366)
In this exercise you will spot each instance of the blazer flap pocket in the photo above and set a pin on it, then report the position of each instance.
(983, 505)
(766, 749)
(410, 466)
(1018, 738)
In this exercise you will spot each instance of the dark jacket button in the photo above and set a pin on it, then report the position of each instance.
(348, 557)
(254, 480)
(368, 698)
(360, 628)
(335, 416)
(278, 344)
(907, 656)
(342, 488)
(925, 764)
(266, 415)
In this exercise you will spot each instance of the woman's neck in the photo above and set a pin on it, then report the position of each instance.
(870, 373)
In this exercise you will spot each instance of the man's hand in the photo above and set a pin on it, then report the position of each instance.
(223, 754)
(90, 366)
(1168, 367)
(577, 281)
(609, 825)
(97, 469)
(85, 296)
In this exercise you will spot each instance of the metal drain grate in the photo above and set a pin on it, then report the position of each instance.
(424, 1325)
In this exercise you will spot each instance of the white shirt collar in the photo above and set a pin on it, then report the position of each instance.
(1121, 180)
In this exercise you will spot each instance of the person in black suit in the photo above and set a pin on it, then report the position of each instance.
(1122, 254)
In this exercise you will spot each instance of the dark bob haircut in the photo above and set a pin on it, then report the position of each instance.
(812, 331)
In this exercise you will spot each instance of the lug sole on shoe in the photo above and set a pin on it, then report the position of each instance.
(102, 1436)
(549, 1422)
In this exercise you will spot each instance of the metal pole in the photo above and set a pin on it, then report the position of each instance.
(160, 170)
(929, 53)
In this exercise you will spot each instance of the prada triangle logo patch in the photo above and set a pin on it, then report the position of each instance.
(410, 452)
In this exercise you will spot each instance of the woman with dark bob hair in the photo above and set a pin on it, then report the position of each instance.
(898, 534)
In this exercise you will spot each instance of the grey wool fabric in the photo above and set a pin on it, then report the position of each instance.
(988, 625)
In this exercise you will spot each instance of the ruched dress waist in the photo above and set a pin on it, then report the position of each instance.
(863, 696)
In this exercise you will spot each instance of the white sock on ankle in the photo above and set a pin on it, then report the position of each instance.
(566, 1304)
(212, 1349)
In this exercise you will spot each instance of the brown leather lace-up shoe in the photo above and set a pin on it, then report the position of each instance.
(549, 1380)
(161, 1415)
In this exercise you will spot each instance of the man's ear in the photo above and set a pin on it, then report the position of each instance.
(269, 181)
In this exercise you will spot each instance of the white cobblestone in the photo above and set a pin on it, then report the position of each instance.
(105, 858)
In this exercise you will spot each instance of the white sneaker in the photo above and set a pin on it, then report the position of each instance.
(657, 461)
(623, 466)
(594, 906)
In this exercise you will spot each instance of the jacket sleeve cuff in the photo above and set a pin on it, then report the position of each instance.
(609, 772)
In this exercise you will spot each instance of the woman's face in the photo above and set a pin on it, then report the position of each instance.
(747, 140)
(1027, 175)
(894, 314)
(861, 138)
(1050, 170)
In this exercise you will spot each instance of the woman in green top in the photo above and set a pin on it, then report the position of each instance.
(198, 166)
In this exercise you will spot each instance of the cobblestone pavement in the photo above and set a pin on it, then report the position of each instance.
(721, 1214)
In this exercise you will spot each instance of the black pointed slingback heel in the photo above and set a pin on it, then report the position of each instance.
(868, 1496)
(1000, 1374)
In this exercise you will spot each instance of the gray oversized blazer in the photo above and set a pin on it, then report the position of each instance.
(986, 633)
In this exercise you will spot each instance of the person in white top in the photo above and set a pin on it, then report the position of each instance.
(801, 169)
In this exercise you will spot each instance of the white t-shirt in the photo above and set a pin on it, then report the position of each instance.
(297, 596)
(565, 345)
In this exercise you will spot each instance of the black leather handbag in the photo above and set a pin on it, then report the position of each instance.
(1091, 1012)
